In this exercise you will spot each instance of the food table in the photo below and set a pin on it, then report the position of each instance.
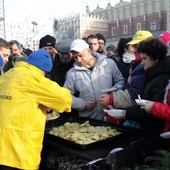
(135, 148)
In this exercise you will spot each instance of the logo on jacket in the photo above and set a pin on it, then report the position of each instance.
(5, 97)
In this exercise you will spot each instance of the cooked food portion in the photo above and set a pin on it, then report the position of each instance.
(83, 133)
(52, 115)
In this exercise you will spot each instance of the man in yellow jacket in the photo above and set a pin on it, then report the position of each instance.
(25, 94)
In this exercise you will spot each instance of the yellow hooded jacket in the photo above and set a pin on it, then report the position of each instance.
(24, 93)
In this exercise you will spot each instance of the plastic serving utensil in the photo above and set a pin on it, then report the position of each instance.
(140, 99)
(100, 159)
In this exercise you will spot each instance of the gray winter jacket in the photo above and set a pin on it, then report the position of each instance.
(85, 84)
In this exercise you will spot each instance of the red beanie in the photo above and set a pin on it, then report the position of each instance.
(165, 37)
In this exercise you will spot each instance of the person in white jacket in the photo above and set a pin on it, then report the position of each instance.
(91, 74)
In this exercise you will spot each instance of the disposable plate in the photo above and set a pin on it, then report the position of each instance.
(114, 112)
(165, 135)
(52, 118)
(140, 101)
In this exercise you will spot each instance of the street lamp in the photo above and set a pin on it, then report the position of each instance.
(35, 24)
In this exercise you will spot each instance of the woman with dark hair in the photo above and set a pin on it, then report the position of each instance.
(156, 63)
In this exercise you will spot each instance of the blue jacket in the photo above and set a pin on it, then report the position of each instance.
(137, 81)
(136, 86)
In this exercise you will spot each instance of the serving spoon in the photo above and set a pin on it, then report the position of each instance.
(101, 159)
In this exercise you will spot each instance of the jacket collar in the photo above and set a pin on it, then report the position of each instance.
(100, 61)
(28, 66)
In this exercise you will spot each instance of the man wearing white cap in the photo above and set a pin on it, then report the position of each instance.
(90, 74)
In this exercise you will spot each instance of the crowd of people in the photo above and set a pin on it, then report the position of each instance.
(82, 77)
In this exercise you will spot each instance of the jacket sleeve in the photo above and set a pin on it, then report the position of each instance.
(135, 113)
(78, 103)
(50, 94)
(136, 83)
(161, 110)
(122, 99)
(137, 87)
(149, 123)
(118, 79)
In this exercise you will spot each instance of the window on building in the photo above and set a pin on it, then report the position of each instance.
(113, 31)
(138, 10)
(125, 29)
(153, 25)
(138, 26)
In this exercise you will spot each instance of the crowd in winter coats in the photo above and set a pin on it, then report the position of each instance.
(80, 76)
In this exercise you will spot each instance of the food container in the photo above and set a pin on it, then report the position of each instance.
(50, 137)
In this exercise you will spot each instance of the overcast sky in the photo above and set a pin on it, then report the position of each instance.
(40, 10)
(19, 14)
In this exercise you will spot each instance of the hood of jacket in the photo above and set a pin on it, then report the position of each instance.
(100, 61)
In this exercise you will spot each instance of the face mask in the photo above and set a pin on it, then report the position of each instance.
(128, 58)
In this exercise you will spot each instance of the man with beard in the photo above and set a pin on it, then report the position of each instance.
(16, 52)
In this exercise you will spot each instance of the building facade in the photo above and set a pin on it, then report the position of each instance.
(79, 26)
(127, 18)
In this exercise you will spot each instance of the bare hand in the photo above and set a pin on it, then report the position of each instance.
(104, 100)
(90, 104)
(147, 106)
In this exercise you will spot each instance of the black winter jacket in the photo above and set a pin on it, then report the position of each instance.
(157, 80)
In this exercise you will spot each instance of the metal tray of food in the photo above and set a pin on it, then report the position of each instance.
(84, 126)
